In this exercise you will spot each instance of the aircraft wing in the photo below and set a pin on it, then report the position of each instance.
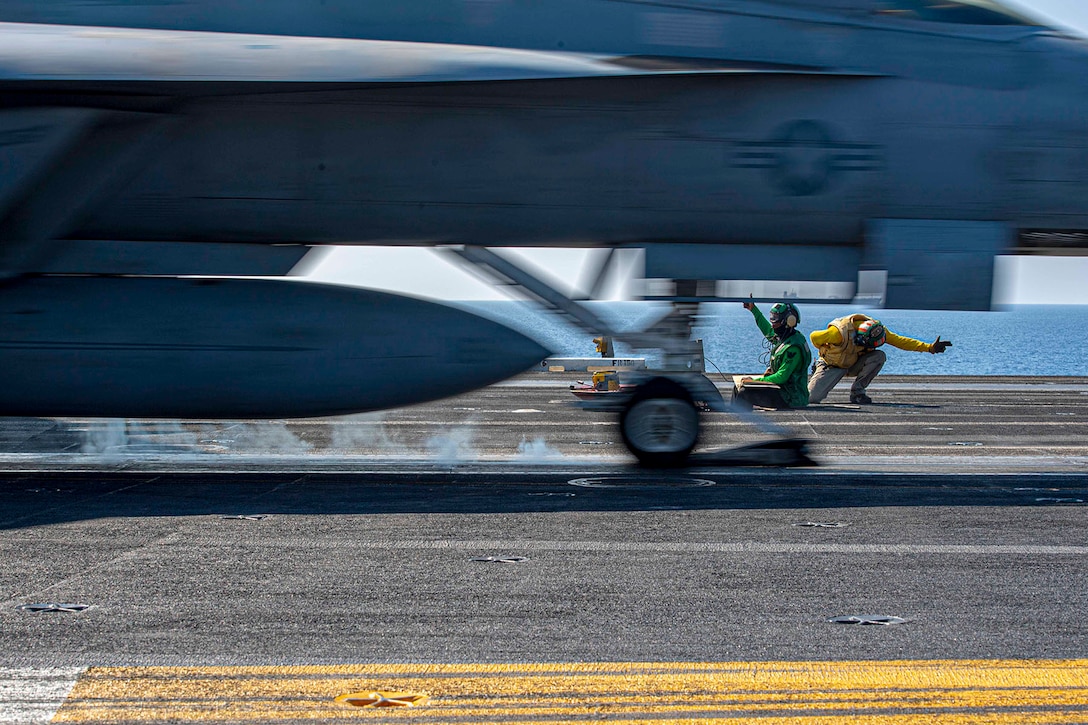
(31, 52)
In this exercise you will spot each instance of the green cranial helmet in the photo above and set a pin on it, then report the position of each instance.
(785, 314)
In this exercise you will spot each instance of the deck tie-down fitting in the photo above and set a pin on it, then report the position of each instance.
(878, 619)
(54, 607)
(383, 699)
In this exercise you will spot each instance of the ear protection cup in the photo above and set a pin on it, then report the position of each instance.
(787, 313)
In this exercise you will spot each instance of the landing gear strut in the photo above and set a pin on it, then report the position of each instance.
(659, 420)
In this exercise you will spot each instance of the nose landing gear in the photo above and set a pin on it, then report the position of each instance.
(658, 411)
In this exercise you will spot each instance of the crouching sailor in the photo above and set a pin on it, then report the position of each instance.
(848, 348)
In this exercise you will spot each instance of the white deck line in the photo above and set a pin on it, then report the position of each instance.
(32, 695)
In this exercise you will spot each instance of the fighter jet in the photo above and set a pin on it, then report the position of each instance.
(908, 141)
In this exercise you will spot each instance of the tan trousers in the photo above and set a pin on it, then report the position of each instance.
(863, 371)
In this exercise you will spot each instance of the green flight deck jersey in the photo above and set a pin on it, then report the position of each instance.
(790, 361)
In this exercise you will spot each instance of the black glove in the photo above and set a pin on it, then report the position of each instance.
(940, 345)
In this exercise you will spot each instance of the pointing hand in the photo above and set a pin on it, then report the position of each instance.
(940, 345)
(749, 305)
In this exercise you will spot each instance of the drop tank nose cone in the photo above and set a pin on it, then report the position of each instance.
(476, 351)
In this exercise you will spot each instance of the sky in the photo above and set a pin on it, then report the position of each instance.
(423, 272)
(1069, 14)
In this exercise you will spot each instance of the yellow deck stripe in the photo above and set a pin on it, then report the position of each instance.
(959, 692)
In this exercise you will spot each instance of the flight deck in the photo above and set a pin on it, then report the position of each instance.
(931, 424)
(498, 557)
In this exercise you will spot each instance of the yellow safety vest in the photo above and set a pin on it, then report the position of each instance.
(846, 353)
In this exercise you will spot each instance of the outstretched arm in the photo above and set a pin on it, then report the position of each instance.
(912, 345)
(761, 321)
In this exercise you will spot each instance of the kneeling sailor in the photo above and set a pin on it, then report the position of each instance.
(787, 373)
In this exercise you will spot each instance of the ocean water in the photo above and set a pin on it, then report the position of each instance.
(1022, 340)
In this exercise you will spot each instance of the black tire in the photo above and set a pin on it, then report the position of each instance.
(660, 425)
